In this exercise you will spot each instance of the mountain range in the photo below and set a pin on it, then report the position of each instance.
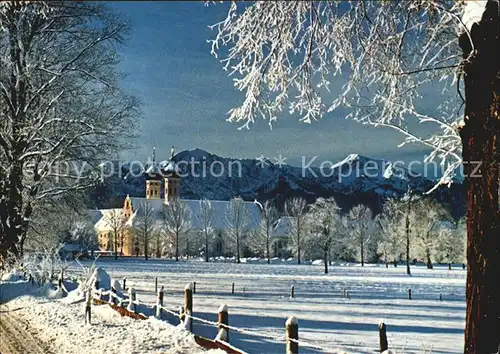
(355, 179)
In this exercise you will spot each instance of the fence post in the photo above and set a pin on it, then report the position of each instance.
(223, 331)
(112, 294)
(292, 335)
(382, 337)
(159, 303)
(88, 305)
(131, 299)
(409, 294)
(156, 285)
(124, 284)
(232, 290)
(188, 306)
(292, 291)
(194, 287)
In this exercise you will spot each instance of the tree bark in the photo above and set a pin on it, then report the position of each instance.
(11, 230)
(481, 138)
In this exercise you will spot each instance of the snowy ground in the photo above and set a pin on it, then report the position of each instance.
(59, 326)
(262, 303)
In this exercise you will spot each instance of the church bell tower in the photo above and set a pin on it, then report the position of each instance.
(153, 180)
(172, 180)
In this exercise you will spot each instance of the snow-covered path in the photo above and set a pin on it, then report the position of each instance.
(15, 336)
(262, 304)
(59, 327)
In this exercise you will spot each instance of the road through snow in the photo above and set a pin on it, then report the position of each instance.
(15, 337)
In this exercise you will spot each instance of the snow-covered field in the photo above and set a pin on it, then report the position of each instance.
(326, 319)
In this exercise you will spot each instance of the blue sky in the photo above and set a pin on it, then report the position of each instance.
(186, 96)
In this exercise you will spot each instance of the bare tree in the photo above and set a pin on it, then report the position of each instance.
(238, 220)
(323, 220)
(362, 225)
(145, 224)
(62, 111)
(177, 221)
(206, 218)
(261, 238)
(297, 208)
(116, 222)
(284, 53)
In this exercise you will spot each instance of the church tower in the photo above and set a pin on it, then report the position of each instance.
(153, 180)
(172, 180)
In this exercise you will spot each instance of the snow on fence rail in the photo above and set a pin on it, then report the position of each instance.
(185, 315)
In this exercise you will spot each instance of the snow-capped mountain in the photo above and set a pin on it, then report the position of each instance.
(204, 175)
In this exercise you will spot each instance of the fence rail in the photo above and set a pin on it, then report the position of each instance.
(186, 317)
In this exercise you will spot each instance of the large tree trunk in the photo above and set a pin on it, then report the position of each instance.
(13, 216)
(481, 139)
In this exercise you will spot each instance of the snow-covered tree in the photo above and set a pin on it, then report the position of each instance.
(362, 226)
(82, 233)
(451, 244)
(177, 222)
(206, 218)
(62, 111)
(238, 220)
(392, 228)
(427, 214)
(116, 222)
(283, 54)
(261, 238)
(323, 220)
(296, 208)
(145, 226)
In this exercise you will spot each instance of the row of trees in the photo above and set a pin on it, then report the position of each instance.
(426, 231)
(177, 230)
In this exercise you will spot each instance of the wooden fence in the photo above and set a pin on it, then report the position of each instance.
(128, 306)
